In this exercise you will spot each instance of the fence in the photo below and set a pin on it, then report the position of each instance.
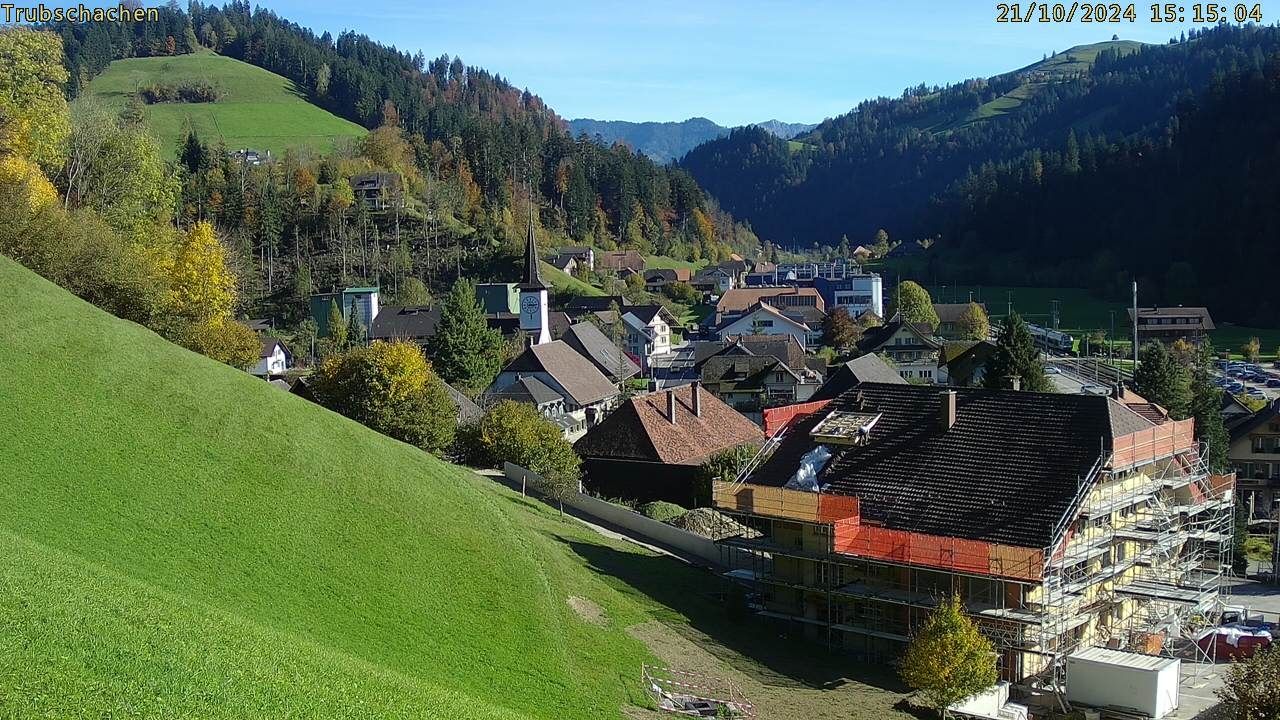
(689, 545)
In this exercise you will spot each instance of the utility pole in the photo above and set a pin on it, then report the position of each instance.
(1135, 324)
(1008, 310)
(1111, 340)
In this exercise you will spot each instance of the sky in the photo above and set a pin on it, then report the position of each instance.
(733, 61)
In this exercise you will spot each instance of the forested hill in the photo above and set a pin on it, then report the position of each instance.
(879, 165)
(463, 123)
(667, 141)
(1193, 211)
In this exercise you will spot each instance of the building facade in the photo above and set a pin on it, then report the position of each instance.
(1102, 528)
(1255, 455)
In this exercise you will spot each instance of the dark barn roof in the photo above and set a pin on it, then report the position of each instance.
(868, 368)
(600, 350)
(1007, 471)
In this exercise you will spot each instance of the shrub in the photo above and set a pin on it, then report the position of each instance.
(516, 433)
(192, 91)
(661, 510)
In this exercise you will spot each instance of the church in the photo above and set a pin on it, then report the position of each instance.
(564, 385)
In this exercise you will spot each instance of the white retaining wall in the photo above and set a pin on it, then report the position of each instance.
(690, 544)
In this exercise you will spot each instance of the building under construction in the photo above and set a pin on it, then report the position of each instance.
(1062, 521)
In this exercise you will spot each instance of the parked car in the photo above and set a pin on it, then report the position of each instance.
(1273, 382)
(1256, 394)
(1051, 370)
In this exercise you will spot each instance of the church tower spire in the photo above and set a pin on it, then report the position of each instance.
(533, 291)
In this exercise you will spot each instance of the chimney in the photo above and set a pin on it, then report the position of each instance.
(671, 406)
(947, 409)
(697, 399)
(1015, 382)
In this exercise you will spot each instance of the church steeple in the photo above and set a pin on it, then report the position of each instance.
(533, 292)
(532, 279)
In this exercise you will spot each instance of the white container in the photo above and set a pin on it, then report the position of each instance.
(1103, 678)
(986, 704)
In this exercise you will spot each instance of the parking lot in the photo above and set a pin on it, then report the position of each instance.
(1249, 380)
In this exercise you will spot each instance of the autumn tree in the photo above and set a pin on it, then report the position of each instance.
(466, 351)
(1251, 348)
(948, 659)
(1016, 355)
(221, 339)
(974, 323)
(517, 433)
(33, 108)
(390, 388)
(839, 330)
(337, 341)
(1160, 378)
(913, 303)
(722, 466)
(202, 287)
(1252, 687)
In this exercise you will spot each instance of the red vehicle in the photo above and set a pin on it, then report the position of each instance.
(1233, 642)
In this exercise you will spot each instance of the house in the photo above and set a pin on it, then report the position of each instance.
(856, 292)
(752, 372)
(618, 260)
(911, 347)
(714, 280)
(949, 320)
(862, 254)
(364, 300)
(648, 329)
(735, 303)
(273, 359)
(594, 345)
(652, 446)
(1255, 454)
(659, 279)
(377, 190)
(964, 364)
(765, 319)
(566, 264)
(865, 369)
(1234, 412)
(583, 255)
(468, 411)
(416, 323)
(579, 306)
(248, 156)
(1062, 521)
(1167, 324)
(580, 395)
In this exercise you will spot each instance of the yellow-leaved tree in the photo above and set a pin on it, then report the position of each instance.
(33, 109)
(202, 298)
(948, 659)
(202, 286)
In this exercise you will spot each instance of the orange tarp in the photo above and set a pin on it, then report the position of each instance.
(777, 418)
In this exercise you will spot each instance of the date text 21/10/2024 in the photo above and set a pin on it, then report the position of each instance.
(1085, 12)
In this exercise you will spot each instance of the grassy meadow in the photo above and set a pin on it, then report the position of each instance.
(259, 109)
(180, 539)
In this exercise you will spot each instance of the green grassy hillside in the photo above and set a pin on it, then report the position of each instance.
(259, 110)
(179, 539)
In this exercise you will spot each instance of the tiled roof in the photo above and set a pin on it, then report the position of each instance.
(640, 429)
(467, 410)
(584, 384)
(1201, 315)
(741, 299)
(875, 338)
(600, 350)
(405, 322)
(952, 312)
(269, 347)
(866, 369)
(646, 313)
(1269, 413)
(783, 315)
(1008, 470)
(526, 389)
(593, 303)
(744, 373)
(670, 275)
(786, 348)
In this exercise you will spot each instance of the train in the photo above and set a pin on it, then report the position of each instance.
(1052, 340)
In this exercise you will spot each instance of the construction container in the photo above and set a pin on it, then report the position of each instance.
(986, 704)
(1143, 684)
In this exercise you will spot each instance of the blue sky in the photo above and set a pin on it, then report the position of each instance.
(734, 62)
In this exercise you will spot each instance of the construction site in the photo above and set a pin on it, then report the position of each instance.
(1062, 522)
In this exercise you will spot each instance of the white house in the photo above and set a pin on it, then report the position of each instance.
(764, 319)
(274, 358)
(648, 331)
(911, 346)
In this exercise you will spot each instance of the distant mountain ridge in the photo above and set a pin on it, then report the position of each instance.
(667, 141)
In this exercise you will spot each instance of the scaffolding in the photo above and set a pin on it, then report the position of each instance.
(1137, 564)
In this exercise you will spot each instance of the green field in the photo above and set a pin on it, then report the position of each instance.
(259, 110)
(664, 262)
(566, 283)
(179, 539)
(1079, 312)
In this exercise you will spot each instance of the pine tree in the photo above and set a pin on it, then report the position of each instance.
(1206, 408)
(337, 341)
(1016, 355)
(1164, 381)
(465, 351)
(355, 329)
